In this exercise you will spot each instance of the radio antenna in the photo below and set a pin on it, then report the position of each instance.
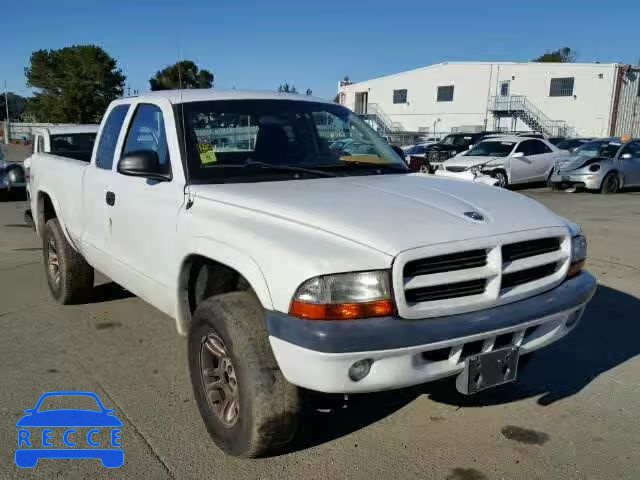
(187, 186)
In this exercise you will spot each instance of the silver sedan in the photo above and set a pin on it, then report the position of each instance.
(605, 165)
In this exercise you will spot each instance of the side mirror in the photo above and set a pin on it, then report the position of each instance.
(398, 150)
(517, 155)
(625, 156)
(143, 163)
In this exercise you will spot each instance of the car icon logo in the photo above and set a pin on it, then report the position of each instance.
(69, 433)
(474, 216)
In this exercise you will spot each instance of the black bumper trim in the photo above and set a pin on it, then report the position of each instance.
(336, 336)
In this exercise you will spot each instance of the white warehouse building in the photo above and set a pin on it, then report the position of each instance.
(559, 99)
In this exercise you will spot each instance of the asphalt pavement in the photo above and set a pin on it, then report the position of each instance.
(573, 414)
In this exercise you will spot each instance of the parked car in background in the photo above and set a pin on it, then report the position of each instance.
(448, 147)
(510, 160)
(12, 176)
(603, 165)
(571, 144)
(556, 140)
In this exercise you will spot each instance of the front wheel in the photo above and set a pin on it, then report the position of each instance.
(247, 405)
(610, 184)
(501, 177)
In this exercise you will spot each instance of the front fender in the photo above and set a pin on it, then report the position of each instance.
(230, 256)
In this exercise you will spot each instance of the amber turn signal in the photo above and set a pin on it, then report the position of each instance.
(575, 268)
(343, 311)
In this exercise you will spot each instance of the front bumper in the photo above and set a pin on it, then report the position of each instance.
(318, 354)
(468, 176)
(589, 181)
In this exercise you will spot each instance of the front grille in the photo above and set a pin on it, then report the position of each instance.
(490, 271)
(453, 168)
(511, 280)
(446, 263)
(529, 248)
(450, 290)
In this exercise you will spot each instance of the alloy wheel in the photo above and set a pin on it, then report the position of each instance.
(53, 262)
(219, 380)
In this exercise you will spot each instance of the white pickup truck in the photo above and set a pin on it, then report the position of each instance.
(293, 248)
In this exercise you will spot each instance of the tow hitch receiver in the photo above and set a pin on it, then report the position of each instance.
(489, 369)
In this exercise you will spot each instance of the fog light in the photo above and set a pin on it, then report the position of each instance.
(360, 369)
(573, 318)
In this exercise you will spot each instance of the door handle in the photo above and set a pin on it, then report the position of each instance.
(110, 198)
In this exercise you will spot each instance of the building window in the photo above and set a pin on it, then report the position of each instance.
(504, 89)
(445, 94)
(400, 96)
(561, 87)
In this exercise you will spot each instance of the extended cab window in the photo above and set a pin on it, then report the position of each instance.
(74, 145)
(109, 137)
(147, 132)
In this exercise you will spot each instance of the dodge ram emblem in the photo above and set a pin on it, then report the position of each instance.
(474, 216)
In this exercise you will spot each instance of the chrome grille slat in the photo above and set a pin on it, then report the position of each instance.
(529, 275)
(529, 248)
(450, 290)
(446, 263)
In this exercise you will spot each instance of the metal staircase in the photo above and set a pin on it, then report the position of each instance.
(380, 121)
(519, 107)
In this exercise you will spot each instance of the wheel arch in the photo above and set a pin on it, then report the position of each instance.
(48, 207)
(614, 171)
(202, 275)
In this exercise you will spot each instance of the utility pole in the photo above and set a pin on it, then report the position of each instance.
(6, 118)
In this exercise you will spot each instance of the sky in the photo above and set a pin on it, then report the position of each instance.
(312, 44)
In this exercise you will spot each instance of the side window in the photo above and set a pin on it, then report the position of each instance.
(539, 147)
(109, 137)
(40, 143)
(633, 148)
(147, 132)
(525, 147)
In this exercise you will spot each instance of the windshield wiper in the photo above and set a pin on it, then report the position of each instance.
(291, 168)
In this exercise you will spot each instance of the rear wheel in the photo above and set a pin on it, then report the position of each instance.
(247, 405)
(610, 184)
(69, 276)
(424, 168)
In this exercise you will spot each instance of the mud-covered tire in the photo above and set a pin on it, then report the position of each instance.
(72, 280)
(268, 406)
(610, 184)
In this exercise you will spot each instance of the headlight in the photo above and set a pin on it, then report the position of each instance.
(344, 296)
(578, 254)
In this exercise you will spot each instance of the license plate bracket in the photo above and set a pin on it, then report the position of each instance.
(489, 369)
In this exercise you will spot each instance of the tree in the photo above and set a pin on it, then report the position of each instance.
(74, 84)
(286, 88)
(562, 55)
(183, 74)
(336, 99)
(17, 106)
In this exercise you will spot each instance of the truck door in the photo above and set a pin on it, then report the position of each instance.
(97, 204)
(145, 210)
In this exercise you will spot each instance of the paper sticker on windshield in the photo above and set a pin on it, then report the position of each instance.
(207, 155)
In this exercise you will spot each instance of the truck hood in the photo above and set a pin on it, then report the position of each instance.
(389, 213)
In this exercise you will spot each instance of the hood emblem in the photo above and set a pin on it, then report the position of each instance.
(474, 216)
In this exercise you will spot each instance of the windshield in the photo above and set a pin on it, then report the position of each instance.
(73, 145)
(570, 143)
(457, 140)
(491, 149)
(598, 148)
(237, 140)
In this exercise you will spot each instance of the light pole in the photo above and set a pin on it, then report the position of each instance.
(435, 122)
(6, 118)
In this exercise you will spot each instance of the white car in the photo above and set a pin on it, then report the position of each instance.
(291, 265)
(511, 160)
